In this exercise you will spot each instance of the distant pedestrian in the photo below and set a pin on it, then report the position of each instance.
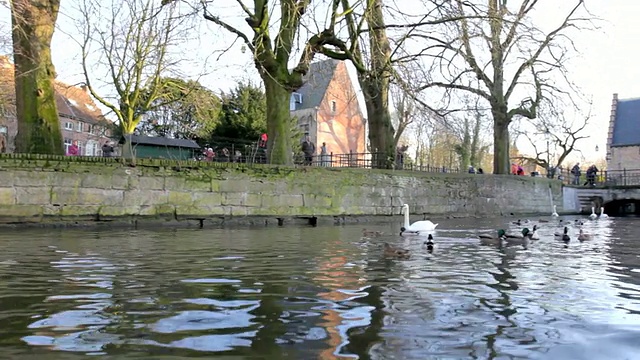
(576, 172)
(3, 144)
(591, 175)
(107, 149)
(472, 170)
(308, 148)
(324, 155)
(480, 171)
(73, 150)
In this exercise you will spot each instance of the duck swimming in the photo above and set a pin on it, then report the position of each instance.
(563, 236)
(584, 236)
(366, 232)
(533, 235)
(429, 243)
(525, 233)
(491, 240)
(397, 252)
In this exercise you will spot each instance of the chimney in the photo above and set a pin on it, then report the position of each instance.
(84, 88)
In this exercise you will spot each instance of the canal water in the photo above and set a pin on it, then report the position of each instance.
(320, 293)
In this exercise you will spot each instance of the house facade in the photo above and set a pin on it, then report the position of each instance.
(623, 140)
(327, 109)
(80, 119)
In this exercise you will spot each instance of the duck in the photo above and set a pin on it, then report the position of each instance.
(525, 233)
(397, 252)
(584, 236)
(564, 236)
(486, 239)
(533, 235)
(520, 222)
(416, 227)
(578, 223)
(429, 243)
(593, 215)
(602, 214)
(554, 213)
(366, 232)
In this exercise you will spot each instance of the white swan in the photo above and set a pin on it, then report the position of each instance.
(593, 215)
(554, 213)
(416, 227)
(602, 214)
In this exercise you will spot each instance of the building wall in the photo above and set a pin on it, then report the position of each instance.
(85, 133)
(35, 188)
(624, 157)
(343, 130)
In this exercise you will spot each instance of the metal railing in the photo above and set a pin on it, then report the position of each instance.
(624, 177)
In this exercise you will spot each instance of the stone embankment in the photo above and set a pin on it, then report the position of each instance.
(48, 189)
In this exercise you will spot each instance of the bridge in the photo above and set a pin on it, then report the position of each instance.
(618, 192)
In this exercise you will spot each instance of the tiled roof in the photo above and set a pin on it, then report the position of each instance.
(76, 102)
(316, 83)
(626, 129)
(162, 141)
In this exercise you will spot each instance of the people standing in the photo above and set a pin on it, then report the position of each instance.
(73, 150)
(107, 149)
(324, 155)
(576, 172)
(591, 175)
(308, 148)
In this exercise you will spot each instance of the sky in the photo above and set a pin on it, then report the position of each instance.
(606, 63)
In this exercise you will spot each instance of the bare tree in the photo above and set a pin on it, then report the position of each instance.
(553, 137)
(132, 40)
(494, 52)
(33, 23)
(272, 52)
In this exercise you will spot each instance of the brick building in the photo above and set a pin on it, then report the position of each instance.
(328, 110)
(623, 140)
(80, 119)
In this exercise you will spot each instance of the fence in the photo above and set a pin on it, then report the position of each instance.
(624, 177)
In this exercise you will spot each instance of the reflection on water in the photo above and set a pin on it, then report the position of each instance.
(324, 293)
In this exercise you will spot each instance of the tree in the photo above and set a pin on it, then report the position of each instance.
(132, 39)
(272, 53)
(33, 23)
(495, 53)
(186, 110)
(244, 113)
(553, 137)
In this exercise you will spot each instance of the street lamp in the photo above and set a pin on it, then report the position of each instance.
(547, 136)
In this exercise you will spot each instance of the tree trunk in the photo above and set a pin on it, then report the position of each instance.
(501, 163)
(279, 143)
(38, 123)
(127, 147)
(381, 129)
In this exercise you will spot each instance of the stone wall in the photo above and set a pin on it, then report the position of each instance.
(49, 189)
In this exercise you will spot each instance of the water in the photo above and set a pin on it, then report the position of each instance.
(324, 293)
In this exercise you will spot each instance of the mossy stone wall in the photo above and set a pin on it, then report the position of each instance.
(36, 188)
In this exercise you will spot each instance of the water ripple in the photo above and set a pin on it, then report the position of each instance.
(322, 293)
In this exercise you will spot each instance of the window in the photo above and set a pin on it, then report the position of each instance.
(304, 128)
(334, 106)
(80, 148)
(67, 143)
(68, 126)
(80, 126)
(90, 129)
(92, 148)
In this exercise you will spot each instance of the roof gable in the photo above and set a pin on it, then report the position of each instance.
(316, 83)
(626, 128)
